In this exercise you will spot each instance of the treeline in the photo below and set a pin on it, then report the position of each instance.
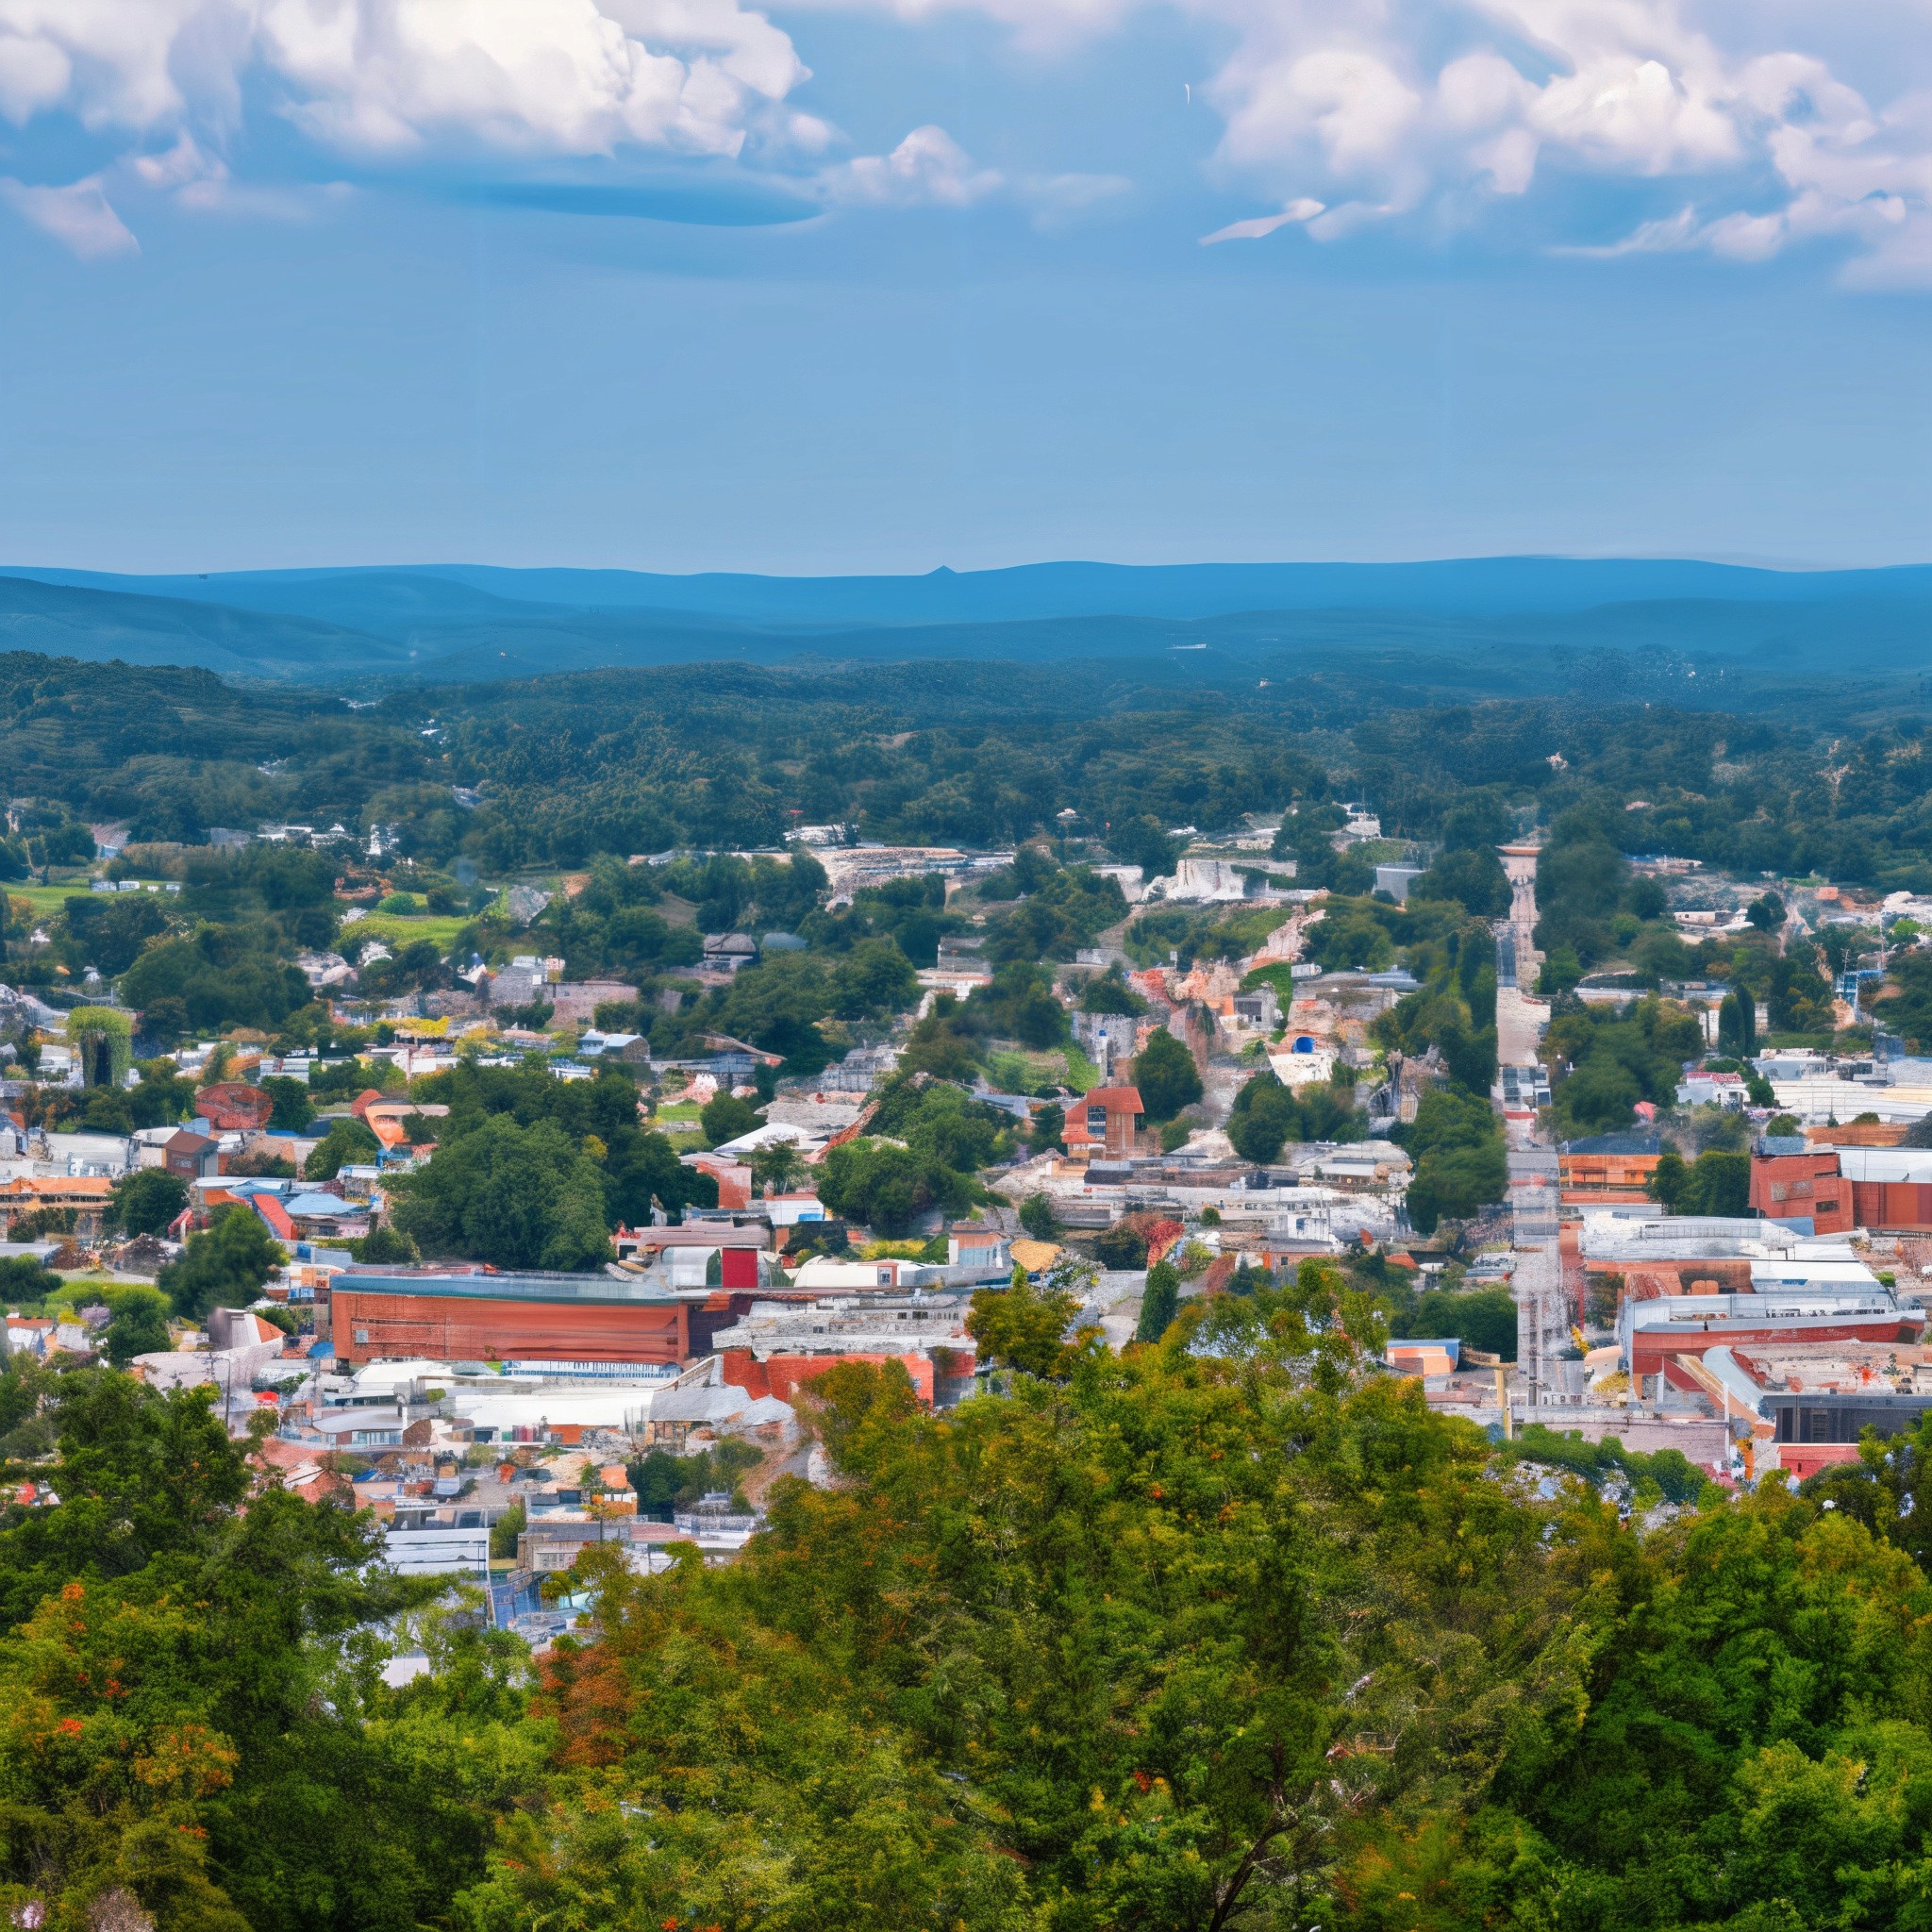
(728, 756)
(1228, 1630)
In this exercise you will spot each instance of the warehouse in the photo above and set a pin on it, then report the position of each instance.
(536, 1322)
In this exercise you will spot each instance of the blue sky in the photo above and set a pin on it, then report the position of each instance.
(680, 284)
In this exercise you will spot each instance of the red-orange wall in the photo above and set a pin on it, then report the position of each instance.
(1902, 1205)
(465, 1328)
(782, 1374)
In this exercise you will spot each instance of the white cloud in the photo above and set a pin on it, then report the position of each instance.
(1379, 108)
(77, 216)
(1261, 226)
(928, 169)
(539, 76)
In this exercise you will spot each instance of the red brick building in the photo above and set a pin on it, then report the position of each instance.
(1803, 1187)
(481, 1318)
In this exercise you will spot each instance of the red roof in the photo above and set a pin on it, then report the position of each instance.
(1116, 1099)
(233, 1105)
(274, 1214)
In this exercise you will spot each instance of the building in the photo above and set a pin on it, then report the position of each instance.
(535, 1320)
(1706, 1088)
(1791, 1180)
(1105, 1123)
(574, 1002)
(1891, 1186)
(189, 1155)
(84, 1197)
(1886, 1189)
(1608, 1167)
(1817, 1397)
(729, 951)
(970, 1244)
(1396, 879)
(1653, 1332)
(778, 1346)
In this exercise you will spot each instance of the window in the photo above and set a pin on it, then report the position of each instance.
(361, 1335)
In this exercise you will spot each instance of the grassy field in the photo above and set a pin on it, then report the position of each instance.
(396, 930)
(46, 899)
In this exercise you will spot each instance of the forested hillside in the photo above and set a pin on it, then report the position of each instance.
(567, 767)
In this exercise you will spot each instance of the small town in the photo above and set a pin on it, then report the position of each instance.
(965, 966)
(1239, 1082)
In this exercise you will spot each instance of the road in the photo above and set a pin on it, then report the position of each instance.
(1520, 1018)
(1542, 1316)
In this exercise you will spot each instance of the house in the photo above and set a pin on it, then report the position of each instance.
(1104, 1124)
(325, 1216)
(190, 1154)
(729, 951)
(1608, 1167)
(1706, 1088)
(232, 1107)
(971, 1244)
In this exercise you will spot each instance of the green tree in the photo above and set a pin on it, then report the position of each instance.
(1668, 1178)
(25, 1278)
(1265, 1116)
(138, 1322)
(1474, 877)
(514, 1196)
(1021, 1326)
(147, 1201)
(1460, 1165)
(348, 1143)
(1161, 1304)
(223, 1266)
(724, 1117)
(507, 1529)
(1037, 1217)
(293, 1109)
(1717, 1183)
(1165, 1076)
(873, 980)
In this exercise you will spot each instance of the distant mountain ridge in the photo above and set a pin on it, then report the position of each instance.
(377, 597)
(457, 623)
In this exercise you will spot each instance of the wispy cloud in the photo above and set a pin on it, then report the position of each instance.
(79, 216)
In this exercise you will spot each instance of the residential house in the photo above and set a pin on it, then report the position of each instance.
(1792, 1181)
(729, 952)
(189, 1155)
(1104, 1124)
(971, 1244)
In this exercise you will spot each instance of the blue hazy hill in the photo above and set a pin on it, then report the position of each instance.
(393, 600)
(1497, 624)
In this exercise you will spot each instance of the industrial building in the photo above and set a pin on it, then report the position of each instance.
(531, 1322)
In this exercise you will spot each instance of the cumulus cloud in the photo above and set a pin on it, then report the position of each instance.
(79, 216)
(1377, 108)
(387, 77)
(928, 169)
